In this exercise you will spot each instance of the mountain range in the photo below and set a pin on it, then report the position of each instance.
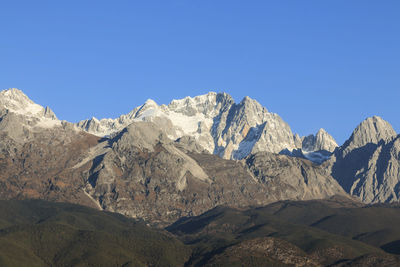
(217, 125)
(164, 163)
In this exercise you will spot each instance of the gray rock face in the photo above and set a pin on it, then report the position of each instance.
(321, 141)
(216, 124)
(42, 165)
(14, 99)
(155, 167)
(144, 174)
(291, 177)
(211, 122)
(250, 128)
(372, 130)
(368, 164)
(20, 116)
(48, 113)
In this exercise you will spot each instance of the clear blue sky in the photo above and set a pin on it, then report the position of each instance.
(326, 64)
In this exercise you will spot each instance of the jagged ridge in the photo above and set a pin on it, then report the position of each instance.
(219, 125)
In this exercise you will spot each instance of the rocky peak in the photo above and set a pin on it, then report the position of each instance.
(16, 101)
(320, 141)
(14, 93)
(150, 103)
(214, 122)
(147, 109)
(20, 117)
(324, 141)
(48, 113)
(209, 104)
(251, 105)
(371, 130)
(368, 164)
(248, 112)
(144, 135)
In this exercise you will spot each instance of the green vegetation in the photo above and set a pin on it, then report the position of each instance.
(39, 233)
(376, 225)
(329, 231)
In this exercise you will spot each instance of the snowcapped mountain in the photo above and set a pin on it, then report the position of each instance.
(157, 157)
(213, 122)
(16, 101)
(20, 116)
(216, 123)
(317, 148)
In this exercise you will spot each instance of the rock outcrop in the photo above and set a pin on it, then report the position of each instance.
(368, 164)
(218, 125)
(146, 175)
(320, 141)
(20, 116)
(371, 131)
(142, 173)
(165, 162)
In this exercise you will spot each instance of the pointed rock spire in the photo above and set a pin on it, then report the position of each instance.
(320, 141)
(48, 113)
(371, 130)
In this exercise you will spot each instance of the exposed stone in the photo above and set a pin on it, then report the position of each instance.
(321, 141)
(368, 164)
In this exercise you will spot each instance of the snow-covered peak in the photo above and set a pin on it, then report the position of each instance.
(13, 93)
(15, 101)
(190, 106)
(150, 103)
(197, 99)
(213, 121)
(147, 110)
(95, 119)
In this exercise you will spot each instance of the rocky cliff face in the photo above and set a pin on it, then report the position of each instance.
(291, 178)
(144, 174)
(141, 172)
(368, 164)
(164, 162)
(20, 117)
(217, 124)
(320, 141)
(371, 131)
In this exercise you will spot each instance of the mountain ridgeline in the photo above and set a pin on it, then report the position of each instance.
(161, 163)
(332, 232)
(230, 183)
(217, 125)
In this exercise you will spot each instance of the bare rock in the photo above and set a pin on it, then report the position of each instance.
(368, 164)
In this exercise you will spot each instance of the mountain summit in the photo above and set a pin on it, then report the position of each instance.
(20, 116)
(371, 130)
(158, 162)
(163, 162)
(321, 141)
(213, 121)
(217, 124)
(368, 163)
